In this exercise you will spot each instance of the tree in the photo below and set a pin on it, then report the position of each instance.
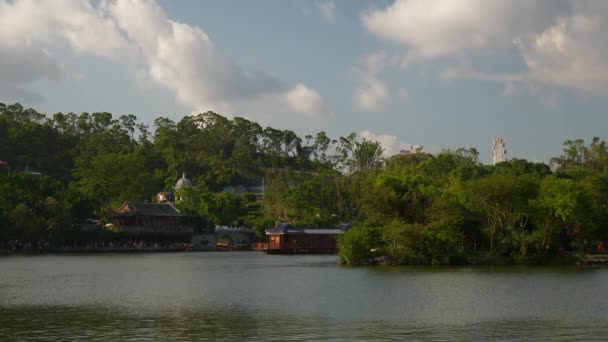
(367, 155)
(445, 231)
(577, 154)
(403, 242)
(414, 208)
(109, 179)
(322, 149)
(562, 204)
(223, 208)
(520, 167)
(356, 245)
(503, 202)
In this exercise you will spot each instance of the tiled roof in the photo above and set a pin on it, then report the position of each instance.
(150, 209)
(286, 228)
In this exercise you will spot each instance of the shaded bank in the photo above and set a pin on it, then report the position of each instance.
(400, 244)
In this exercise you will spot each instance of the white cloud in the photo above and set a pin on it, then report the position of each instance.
(513, 82)
(21, 64)
(372, 92)
(327, 9)
(572, 53)
(302, 99)
(562, 43)
(372, 95)
(175, 55)
(433, 28)
(86, 28)
(28, 31)
(390, 143)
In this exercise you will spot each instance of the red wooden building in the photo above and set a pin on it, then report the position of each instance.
(151, 218)
(286, 239)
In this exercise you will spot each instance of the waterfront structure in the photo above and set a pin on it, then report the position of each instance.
(286, 239)
(224, 239)
(499, 151)
(161, 219)
(233, 238)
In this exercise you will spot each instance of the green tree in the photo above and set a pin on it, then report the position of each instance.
(223, 208)
(562, 204)
(404, 242)
(503, 202)
(367, 155)
(109, 179)
(356, 245)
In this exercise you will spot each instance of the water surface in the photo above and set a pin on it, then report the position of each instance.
(253, 296)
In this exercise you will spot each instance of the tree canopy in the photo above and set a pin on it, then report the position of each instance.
(413, 208)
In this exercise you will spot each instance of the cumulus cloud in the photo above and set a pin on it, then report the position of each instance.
(175, 55)
(572, 53)
(28, 30)
(34, 23)
(562, 42)
(327, 9)
(21, 64)
(372, 95)
(391, 144)
(305, 100)
(433, 28)
(372, 92)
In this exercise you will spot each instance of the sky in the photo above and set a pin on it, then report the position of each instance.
(441, 74)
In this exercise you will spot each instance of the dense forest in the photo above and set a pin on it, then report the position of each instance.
(58, 171)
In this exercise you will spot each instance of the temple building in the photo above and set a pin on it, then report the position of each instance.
(151, 218)
(156, 220)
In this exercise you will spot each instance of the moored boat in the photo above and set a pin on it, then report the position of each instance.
(287, 239)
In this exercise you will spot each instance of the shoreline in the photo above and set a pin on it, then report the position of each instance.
(573, 260)
(587, 260)
(109, 250)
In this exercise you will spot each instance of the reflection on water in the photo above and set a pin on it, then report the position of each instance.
(103, 324)
(250, 296)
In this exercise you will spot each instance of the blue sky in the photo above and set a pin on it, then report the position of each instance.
(441, 74)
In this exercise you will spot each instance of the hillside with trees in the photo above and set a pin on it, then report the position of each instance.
(406, 209)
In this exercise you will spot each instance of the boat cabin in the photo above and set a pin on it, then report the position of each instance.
(286, 239)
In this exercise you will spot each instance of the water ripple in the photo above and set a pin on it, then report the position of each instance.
(106, 324)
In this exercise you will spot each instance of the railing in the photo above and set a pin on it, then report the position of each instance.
(121, 249)
(259, 245)
(266, 245)
(233, 229)
(156, 229)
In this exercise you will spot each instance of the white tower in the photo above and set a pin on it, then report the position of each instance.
(499, 152)
(182, 183)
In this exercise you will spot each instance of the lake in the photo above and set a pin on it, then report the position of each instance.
(236, 296)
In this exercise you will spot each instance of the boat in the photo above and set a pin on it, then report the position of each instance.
(287, 239)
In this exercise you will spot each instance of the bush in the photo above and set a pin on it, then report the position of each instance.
(356, 245)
